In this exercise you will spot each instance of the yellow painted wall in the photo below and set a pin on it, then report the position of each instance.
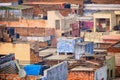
(64, 24)
(108, 15)
(21, 50)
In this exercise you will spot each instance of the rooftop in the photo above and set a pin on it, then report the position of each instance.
(59, 57)
(101, 7)
(18, 7)
(47, 52)
(83, 43)
(50, 3)
(83, 68)
(117, 45)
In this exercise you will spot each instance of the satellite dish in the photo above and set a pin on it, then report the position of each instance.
(22, 73)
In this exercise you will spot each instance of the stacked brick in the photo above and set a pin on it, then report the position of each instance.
(80, 75)
(34, 57)
(16, 77)
(9, 77)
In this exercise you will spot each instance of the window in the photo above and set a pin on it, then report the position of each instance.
(57, 24)
(111, 73)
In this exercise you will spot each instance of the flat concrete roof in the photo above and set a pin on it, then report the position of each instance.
(59, 57)
(83, 43)
(47, 52)
(50, 50)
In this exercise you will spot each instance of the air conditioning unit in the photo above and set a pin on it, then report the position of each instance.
(40, 16)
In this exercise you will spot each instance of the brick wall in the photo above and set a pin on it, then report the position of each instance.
(24, 31)
(106, 1)
(16, 77)
(113, 50)
(5, 1)
(43, 8)
(25, 23)
(9, 77)
(104, 45)
(80, 75)
(43, 44)
(52, 62)
(70, 1)
(34, 57)
(28, 31)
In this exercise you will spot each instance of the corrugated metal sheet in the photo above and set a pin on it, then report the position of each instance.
(8, 68)
(7, 58)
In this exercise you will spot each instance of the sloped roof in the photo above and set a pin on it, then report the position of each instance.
(117, 45)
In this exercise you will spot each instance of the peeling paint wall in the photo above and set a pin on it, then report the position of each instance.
(57, 72)
(101, 73)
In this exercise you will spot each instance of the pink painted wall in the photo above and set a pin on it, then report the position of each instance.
(87, 25)
(75, 29)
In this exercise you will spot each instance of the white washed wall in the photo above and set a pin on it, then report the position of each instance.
(57, 72)
(42, 39)
(101, 73)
